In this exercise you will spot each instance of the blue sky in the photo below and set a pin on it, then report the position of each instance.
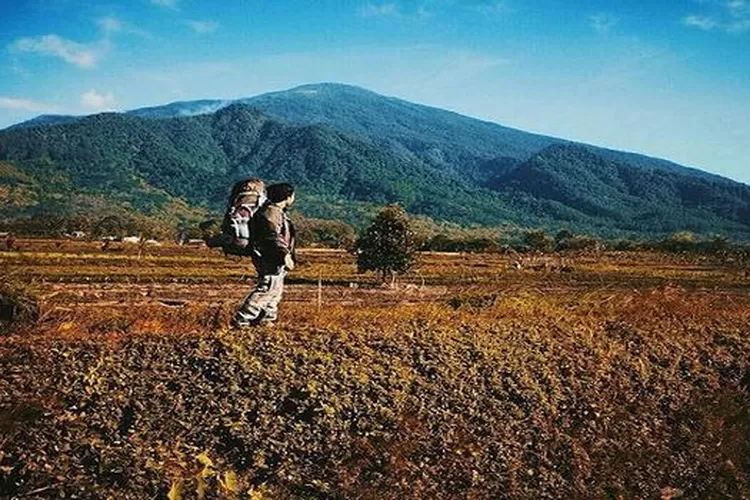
(669, 78)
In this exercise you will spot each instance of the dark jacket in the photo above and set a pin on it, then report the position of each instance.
(273, 237)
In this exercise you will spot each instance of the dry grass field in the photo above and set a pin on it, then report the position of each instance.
(615, 375)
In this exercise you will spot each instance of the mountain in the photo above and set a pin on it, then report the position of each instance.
(433, 135)
(350, 149)
(413, 131)
(146, 163)
(44, 120)
(642, 199)
(436, 136)
(177, 109)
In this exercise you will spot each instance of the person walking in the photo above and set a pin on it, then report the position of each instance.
(273, 238)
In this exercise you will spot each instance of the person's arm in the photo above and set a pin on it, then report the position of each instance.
(293, 240)
(270, 238)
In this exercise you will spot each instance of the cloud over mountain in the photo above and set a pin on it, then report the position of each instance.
(81, 55)
(25, 104)
(97, 101)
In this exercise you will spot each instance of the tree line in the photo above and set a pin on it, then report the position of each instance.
(424, 234)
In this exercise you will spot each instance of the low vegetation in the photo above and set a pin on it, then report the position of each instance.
(571, 375)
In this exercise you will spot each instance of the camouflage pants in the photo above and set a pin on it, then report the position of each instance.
(262, 305)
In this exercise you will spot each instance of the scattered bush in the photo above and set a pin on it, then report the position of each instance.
(578, 242)
(20, 304)
(388, 246)
(325, 233)
(679, 242)
(538, 241)
(625, 245)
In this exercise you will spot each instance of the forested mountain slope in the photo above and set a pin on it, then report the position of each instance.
(349, 150)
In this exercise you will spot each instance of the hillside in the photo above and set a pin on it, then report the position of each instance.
(434, 135)
(45, 120)
(146, 163)
(349, 150)
(633, 197)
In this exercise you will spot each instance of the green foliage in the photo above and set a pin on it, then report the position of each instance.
(10, 174)
(348, 151)
(118, 225)
(588, 187)
(538, 241)
(563, 235)
(717, 245)
(447, 243)
(567, 241)
(146, 164)
(388, 246)
(435, 137)
(313, 232)
(687, 242)
(448, 237)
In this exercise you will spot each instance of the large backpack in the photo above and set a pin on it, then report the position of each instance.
(236, 237)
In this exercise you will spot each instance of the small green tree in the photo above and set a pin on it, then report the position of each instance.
(389, 245)
(111, 225)
(538, 241)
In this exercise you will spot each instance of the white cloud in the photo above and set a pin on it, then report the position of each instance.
(701, 22)
(202, 27)
(494, 7)
(110, 24)
(382, 10)
(171, 4)
(729, 16)
(75, 53)
(738, 8)
(25, 105)
(97, 101)
(603, 22)
(426, 9)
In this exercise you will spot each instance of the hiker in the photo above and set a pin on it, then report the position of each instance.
(273, 246)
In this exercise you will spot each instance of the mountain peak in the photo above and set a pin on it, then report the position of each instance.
(330, 88)
(320, 91)
(344, 143)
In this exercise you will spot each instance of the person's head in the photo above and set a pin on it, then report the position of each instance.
(280, 194)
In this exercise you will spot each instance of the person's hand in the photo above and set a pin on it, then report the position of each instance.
(289, 262)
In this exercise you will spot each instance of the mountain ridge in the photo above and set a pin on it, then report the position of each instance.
(349, 147)
(266, 103)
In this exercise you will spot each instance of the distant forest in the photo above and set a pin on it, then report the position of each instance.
(176, 171)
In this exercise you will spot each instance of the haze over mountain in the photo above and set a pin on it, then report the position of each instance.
(348, 148)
